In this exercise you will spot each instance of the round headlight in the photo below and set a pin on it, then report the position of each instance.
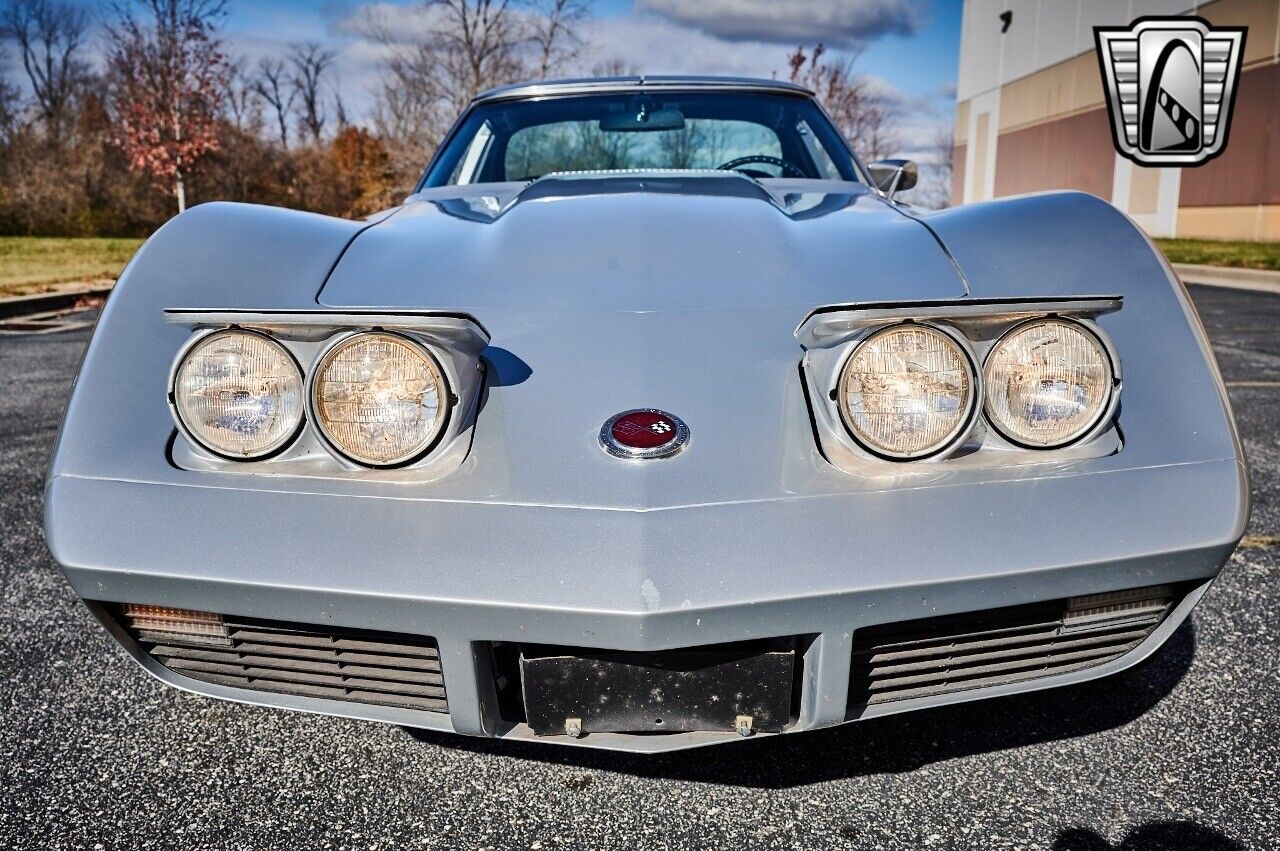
(1048, 382)
(907, 391)
(379, 398)
(239, 394)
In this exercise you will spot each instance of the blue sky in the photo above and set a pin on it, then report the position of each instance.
(925, 62)
(910, 46)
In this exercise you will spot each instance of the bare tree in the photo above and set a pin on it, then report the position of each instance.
(614, 67)
(10, 100)
(599, 150)
(864, 116)
(555, 34)
(480, 41)
(169, 74)
(682, 148)
(311, 64)
(241, 99)
(427, 78)
(944, 145)
(465, 46)
(273, 86)
(340, 109)
(49, 36)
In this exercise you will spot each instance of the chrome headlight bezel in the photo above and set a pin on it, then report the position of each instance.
(190, 348)
(829, 334)
(444, 394)
(963, 426)
(454, 340)
(1106, 410)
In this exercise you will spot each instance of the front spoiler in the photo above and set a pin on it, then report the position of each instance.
(823, 664)
(473, 573)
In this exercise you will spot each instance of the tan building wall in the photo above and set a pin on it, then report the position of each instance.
(1073, 152)
(1031, 116)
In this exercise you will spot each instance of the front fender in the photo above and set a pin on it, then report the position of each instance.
(1174, 407)
(212, 256)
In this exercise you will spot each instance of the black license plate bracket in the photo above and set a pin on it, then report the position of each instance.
(672, 691)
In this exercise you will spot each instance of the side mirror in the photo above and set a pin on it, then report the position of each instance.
(893, 176)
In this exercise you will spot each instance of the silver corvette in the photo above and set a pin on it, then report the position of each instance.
(652, 419)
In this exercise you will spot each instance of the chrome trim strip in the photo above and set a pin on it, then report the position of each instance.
(826, 326)
(558, 88)
(460, 330)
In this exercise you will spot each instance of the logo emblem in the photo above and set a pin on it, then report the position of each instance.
(1170, 85)
(643, 433)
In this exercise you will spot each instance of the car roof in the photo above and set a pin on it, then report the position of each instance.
(647, 82)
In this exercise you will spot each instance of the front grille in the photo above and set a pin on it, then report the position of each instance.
(387, 669)
(954, 653)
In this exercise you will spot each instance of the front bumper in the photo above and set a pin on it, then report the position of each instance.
(471, 573)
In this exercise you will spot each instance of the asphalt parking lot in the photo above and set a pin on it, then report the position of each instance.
(1180, 752)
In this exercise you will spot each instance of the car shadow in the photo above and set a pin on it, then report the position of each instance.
(893, 744)
(1152, 836)
(504, 368)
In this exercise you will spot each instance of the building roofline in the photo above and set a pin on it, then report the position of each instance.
(646, 83)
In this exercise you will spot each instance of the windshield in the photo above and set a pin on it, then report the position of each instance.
(762, 135)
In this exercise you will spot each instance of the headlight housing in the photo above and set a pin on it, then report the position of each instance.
(907, 391)
(1048, 383)
(380, 399)
(238, 394)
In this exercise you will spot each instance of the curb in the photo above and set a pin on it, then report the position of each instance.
(25, 305)
(1257, 280)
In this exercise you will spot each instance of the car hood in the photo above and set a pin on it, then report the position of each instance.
(606, 295)
(642, 244)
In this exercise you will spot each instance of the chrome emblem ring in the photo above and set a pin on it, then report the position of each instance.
(643, 433)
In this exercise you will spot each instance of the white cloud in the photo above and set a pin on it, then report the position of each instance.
(839, 23)
(403, 23)
(655, 46)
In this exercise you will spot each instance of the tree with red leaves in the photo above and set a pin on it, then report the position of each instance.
(865, 117)
(168, 73)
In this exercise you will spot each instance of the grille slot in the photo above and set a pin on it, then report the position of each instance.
(955, 653)
(387, 669)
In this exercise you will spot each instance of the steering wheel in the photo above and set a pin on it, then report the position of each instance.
(787, 168)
